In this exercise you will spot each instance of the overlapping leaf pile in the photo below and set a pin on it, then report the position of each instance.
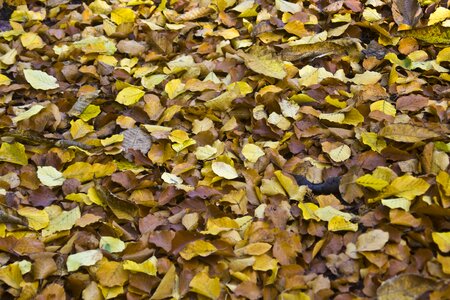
(148, 149)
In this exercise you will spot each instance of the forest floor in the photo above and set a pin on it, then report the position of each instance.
(223, 149)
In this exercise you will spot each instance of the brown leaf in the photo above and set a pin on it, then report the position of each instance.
(406, 287)
(406, 12)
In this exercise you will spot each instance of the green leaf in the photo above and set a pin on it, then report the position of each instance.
(40, 80)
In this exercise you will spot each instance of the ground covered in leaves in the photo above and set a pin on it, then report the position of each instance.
(172, 149)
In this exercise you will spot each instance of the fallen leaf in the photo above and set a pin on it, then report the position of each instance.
(129, 96)
(81, 259)
(147, 267)
(224, 170)
(407, 133)
(13, 153)
(405, 287)
(40, 80)
(373, 240)
(197, 248)
(49, 176)
(204, 285)
(37, 219)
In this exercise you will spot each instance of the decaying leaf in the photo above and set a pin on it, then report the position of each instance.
(405, 287)
(136, 138)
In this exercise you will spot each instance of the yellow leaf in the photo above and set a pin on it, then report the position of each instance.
(4, 80)
(353, 117)
(224, 100)
(371, 15)
(252, 152)
(34, 110)
(174, 88)
(93, 44)
(224, 170)
(129, 95)
(296, 27)
(328, 212)
(91, 111)
(84, 258)
(372, 182)
(40, 80)
(11, 275)
(94, 197)
(65, 220)
(111, 273)
(205, 152)
(79, 129)
(383, 106)
(335, 102)
(49, 176)
(271, 187)
(204, 285)
(339, 223)
(168, 286)
(372, 240)
(443, 55)
(340, 153)
(263, 62)
(111, 292)
(333, 117)
(445, 262)
(402, 203)
(372, 140)
(122, 15)
(100, 7)
(407, 133)
(31, 40)
(291, 186)
(443, 180)
(111, 244)
(115, 138)
(148, 266)
(442, 239)
(197, 248)
(253, 249)
(150, 82)
(216, 226)
(406, 186)
(37, 219)
(366, 78)
(439, 15)
(308, 210)
(286, 6)
(13, 153)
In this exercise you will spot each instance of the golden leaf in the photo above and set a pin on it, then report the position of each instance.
(407, 133)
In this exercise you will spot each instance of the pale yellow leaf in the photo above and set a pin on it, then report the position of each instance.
(49, 176)
(37, 219)
(85, 258)
(40, 80)
(373, 240)
(252, 152)
(111, 244)
(34, 110)
(224, 170)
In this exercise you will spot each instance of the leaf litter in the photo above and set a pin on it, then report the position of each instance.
(224, 149)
